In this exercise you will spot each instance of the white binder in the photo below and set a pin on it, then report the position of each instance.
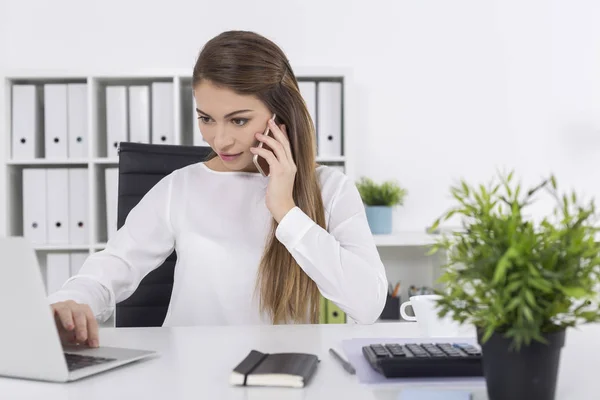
(58, 270)
(308, 90)
(55, 121)
(57, 188)
(112, 187)
(163, 110)
(329, 124)
(116, 119)
(77, 117)
(77, 261)
(34, 205)
(78, 206)
(139, 114)
(27, 140)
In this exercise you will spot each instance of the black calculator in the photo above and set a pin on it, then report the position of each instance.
(420, 360)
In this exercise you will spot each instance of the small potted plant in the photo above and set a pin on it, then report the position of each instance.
(520, 283)
(379, 199)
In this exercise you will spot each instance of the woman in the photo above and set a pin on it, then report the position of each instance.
(250, 249)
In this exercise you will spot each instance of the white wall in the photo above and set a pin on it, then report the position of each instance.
(445, 88)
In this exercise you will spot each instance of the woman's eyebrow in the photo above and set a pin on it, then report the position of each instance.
(226, 116)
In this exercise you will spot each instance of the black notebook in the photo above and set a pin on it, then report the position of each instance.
(279, 369)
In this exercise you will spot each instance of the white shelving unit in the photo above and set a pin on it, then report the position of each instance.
(405, 239)
(96, 161)
(405, 256)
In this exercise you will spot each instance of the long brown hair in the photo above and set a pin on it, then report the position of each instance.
(249, 63)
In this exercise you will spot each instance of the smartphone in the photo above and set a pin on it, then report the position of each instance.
(261, 164)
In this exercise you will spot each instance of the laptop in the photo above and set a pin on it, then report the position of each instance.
(30, 346)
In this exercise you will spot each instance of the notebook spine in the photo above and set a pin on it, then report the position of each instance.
(250, 363)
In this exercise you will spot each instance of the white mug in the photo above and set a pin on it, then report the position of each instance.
(430, 324)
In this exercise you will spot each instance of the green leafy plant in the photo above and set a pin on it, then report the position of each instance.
(388, 193)
(507, 274)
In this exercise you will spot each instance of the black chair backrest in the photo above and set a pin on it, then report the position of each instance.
(141, 166)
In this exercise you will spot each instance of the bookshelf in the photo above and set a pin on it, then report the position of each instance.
(405, 239)
(94, 135)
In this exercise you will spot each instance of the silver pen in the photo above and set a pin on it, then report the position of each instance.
(347, 366)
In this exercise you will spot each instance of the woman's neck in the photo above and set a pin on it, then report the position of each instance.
(216, 164)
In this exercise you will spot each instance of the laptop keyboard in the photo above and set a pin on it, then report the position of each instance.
(78, 361)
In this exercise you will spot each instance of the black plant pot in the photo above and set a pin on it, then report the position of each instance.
(527, 374)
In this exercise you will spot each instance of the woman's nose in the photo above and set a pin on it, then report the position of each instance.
(223, 137)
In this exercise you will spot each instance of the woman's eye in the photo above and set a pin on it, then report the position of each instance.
(204, 120)
(239, 121)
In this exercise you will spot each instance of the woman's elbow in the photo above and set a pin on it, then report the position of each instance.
(371, 305)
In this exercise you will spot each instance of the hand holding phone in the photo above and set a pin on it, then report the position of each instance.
(261, 164)
(273, 157)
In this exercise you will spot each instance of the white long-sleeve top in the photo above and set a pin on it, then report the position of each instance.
(218, 223)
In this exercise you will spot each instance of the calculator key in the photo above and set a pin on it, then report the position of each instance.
(449, 350)
(417, 350)
(452, 352)
(379, 350)
(433, 350)
(396, 350)
(469, 349)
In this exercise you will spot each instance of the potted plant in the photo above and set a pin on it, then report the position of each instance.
(379, 200)
(521, 283)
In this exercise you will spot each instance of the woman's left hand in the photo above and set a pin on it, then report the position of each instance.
(282, 170)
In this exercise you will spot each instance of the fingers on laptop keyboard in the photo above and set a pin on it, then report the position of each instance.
(66, 330)
(92, 328)
(80, 325)
(65, 315)
(76, 323)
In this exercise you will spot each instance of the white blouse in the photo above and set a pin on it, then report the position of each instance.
(218, 223)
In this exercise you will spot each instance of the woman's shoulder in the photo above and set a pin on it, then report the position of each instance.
(331, 179)
(180, 177)
(325, 172)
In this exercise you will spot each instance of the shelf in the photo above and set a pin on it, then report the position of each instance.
(405, 239)
(61, 247)
(106, 161)
(43, 161)
(110, 161)
(331, 159)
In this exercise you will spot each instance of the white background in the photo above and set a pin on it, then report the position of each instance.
(445, 89)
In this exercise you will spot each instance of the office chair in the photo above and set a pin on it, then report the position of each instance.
(141, 166)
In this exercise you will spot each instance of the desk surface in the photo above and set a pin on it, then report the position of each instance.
(195, 363)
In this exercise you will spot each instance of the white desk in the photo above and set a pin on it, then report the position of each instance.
(196, 363)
